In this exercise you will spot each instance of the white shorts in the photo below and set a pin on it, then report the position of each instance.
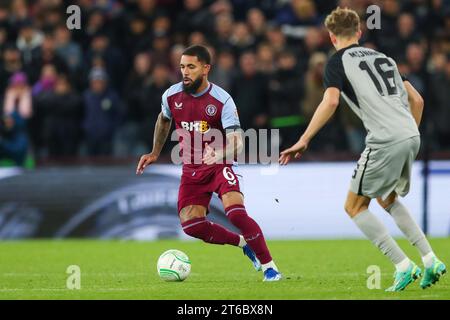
(383, 170)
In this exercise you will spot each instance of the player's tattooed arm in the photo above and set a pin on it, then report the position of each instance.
(232, 149)
(415, 101)
(162, 129)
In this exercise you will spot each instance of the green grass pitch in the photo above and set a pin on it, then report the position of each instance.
(325, 269)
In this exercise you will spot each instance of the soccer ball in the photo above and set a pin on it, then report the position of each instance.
(174, 265)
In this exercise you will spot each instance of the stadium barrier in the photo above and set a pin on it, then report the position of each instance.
(299, 201)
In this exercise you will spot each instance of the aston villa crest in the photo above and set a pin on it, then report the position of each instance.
(211, 110)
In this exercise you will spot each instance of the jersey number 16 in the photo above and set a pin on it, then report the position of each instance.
(386, 75)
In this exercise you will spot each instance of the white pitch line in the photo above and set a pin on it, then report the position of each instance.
(24, 274)
(64, 289)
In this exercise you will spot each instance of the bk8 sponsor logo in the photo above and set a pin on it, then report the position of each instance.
(199, 126)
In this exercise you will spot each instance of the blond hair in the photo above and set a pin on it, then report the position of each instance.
(343, 22)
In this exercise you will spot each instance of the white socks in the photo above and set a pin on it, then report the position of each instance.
(268, 265)
(265, 266)
(403, 265)
(242, 242)
(412, 231)
(376, 232)
(409, 227)
(428, 259)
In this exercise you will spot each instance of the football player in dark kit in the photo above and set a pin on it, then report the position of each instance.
(198, 107)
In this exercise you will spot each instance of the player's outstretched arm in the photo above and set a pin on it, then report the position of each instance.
(162, 129)
(415, 101)
(323, 113)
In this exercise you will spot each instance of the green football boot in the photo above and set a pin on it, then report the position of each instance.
(403, 279)
(433, 273)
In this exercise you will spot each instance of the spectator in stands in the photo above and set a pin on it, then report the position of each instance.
(18, 96)
(161, 48)
(10, 64)
(47, 80)
(249, 92)
(19, 11)
(3, 38)
(161, 25)
(406, 34)
(195, 17)
(285, 93)
(67, 49)
(241, 39)
(197, 38)
(386, 40)
(44, 55)
(50, 18)
(112, 57)
(137, 35)
(415, 57)
(440, 102)
(102, 114)
(148, 9)
(13, 138)
(221, 7)
(129, 140)
(313, 85)
(37, 125)
(266, 59)
(331, 138)
(312, 43)
(174, 62)
(298, 13)
(223, 71)
(96, 24)
(223, 29)
(151, 104)
(257, 24)
(29, 40)
(276, 38)
(64, 109)
(4, 16)
(138, 79)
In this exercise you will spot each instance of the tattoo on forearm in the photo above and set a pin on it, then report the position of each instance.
(162, 129)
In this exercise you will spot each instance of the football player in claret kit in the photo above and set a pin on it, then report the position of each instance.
(197, 107)
(391, 110)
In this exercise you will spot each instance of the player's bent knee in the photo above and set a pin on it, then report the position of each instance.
(192, 212)
(353, 209)
(383, 204)
(232, 198)
(356, 204)
(348, 209)
(388, 202)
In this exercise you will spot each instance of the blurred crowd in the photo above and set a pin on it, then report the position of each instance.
(97, 91)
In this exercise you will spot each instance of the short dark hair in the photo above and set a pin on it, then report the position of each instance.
(201, 52)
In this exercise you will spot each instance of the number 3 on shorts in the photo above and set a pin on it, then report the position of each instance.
(229, 175)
